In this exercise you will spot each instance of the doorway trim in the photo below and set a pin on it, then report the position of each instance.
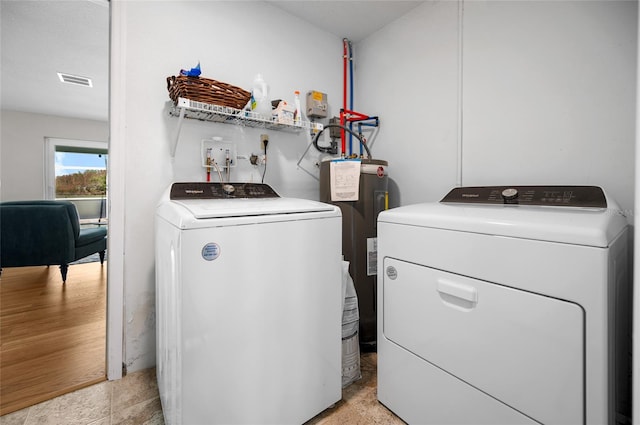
(116, 184)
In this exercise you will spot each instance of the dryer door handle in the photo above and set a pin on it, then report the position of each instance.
(458, 290)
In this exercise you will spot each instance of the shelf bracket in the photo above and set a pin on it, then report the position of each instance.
(174, 141)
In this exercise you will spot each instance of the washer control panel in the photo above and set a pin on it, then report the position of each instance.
(214, 190)
(564, 196)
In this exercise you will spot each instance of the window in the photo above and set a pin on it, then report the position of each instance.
(76, 170)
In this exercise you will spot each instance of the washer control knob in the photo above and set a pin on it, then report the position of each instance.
(228, 189)
(509, 194)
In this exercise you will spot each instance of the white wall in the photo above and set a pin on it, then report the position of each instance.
(233, 41)
(22, 149)
(547, 95)
(408, 73)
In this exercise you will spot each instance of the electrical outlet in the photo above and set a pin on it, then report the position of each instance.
(264, 141)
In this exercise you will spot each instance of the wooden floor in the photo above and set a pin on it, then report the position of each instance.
(52, 336)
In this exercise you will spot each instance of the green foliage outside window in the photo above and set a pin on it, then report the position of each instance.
(89, 183)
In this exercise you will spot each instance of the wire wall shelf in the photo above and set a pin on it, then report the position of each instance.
(191, 109)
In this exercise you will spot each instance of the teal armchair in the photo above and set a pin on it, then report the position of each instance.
(43, 233)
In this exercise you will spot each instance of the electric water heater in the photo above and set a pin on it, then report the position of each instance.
(359, 243)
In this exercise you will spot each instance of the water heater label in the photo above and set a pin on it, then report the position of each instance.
(344, 179)
(211, 251)
(372, 256)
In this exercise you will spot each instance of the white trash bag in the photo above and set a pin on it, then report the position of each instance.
(350, 325)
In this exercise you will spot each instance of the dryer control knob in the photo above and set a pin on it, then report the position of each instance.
(509, 194)
(228, 189)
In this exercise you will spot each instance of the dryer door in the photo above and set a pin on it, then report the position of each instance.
(523, 349)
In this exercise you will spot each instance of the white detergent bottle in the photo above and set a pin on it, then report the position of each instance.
(261, 103)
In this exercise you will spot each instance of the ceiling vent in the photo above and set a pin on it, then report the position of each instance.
(75, 79)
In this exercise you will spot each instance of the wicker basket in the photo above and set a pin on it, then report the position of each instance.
(207, 91)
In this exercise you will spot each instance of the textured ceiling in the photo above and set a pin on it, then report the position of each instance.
(42, 38)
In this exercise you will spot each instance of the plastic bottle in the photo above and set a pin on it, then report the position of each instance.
(260, 101)
(297, 118)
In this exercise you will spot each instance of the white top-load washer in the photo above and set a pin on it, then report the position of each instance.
(505, 305)
(249, 298)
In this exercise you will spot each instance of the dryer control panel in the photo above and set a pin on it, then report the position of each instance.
(564, 196)
(215, 190)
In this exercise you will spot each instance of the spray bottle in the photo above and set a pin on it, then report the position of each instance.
(297, 118)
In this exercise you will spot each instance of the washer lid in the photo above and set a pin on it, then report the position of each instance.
(580, 226)
(243, 207)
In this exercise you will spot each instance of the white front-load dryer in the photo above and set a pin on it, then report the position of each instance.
(505, 305)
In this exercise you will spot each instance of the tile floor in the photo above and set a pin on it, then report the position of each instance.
(131, 400)
(134, 400)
